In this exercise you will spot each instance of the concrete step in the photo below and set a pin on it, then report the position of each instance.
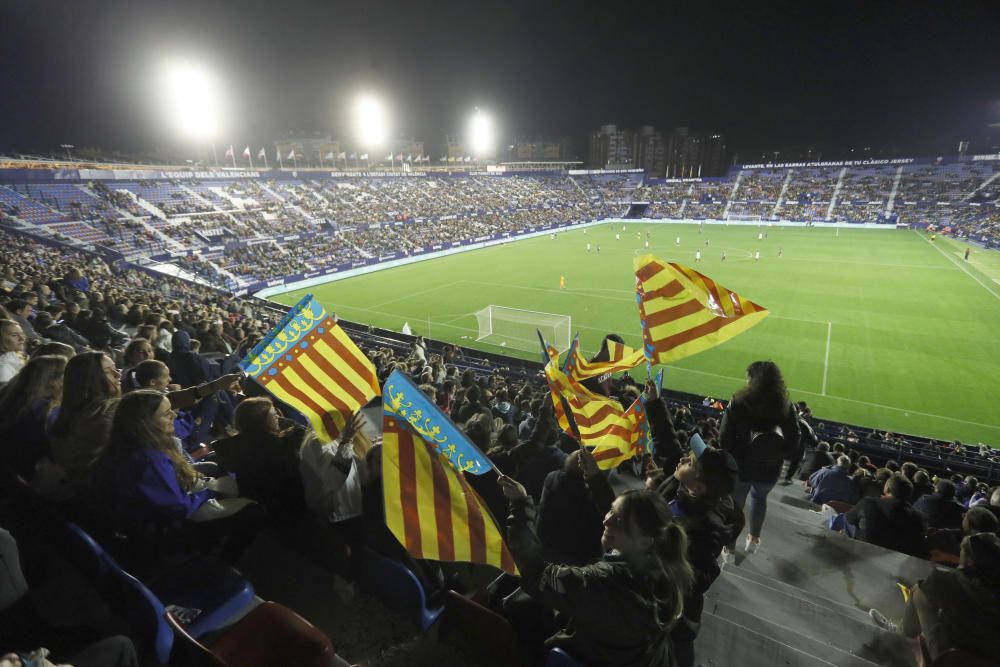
(788, 641)
(824, 621)
(723, 642)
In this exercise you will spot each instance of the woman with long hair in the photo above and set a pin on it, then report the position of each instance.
(146, 484)
(643, 577)
(760, 429)
(26, 403)
(264, 455)
(92, 387)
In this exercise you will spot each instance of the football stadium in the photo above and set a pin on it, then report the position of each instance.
(451, 371)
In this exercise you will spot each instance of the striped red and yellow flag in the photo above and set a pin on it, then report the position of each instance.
(683, 312)
(627, 441)
(600, 421)
(621, 358)
(309, 362)
(430, 507)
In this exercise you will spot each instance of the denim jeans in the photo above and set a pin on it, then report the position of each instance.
(758, 503)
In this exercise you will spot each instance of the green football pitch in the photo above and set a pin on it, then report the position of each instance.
(883, 328)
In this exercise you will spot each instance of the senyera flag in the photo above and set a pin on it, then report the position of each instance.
(614, 357)
(429, 506)
(309, 362)
(615, 433)
(683, 312)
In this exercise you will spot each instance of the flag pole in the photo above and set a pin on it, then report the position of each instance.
(265, 161)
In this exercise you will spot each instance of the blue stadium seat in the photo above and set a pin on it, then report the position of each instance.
(196, 583)
(560, 658)
(398, 588)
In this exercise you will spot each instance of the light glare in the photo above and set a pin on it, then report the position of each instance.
(192, 100)
(371, 121)
(481, 134)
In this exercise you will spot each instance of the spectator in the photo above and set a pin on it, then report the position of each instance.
(644, 577)
(760, 429)
(573, 503)
(979, 520)
(20, 311)
(699, 496)
(26, 403)
(939, 509)
(834, 483)
(59, 332)
(12, 357)
(889, 521)
(91, 389)
(146, 484)
(264, 456)
(921, 485)
(957, 609)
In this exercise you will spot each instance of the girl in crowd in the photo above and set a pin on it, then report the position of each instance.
(147, 484)
(26, 403)
(643, 576)
(760, 429)
(92, 387)
(264, 455)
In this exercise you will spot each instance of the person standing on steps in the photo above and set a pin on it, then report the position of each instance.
(760, 429)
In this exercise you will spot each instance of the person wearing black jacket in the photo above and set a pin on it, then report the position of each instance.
(699, 496)
(939, 509)
(570, 513)
(807, 440)
(816, 459)
(890, 521)
(760, 429)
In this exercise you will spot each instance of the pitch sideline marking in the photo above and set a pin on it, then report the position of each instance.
(826, 359)
(955, 262)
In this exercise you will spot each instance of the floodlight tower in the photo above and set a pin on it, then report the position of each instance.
(481, 135)
(371, 122)
(192, 102)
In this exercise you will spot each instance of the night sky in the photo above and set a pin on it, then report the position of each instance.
(792, 72)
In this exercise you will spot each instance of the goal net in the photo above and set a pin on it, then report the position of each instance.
(515, 328)
(743, 217)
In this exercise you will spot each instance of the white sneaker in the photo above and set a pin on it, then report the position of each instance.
(727, 557)
(752, 544)
(879, 619)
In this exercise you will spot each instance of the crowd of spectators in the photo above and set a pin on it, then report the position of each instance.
(116, 385)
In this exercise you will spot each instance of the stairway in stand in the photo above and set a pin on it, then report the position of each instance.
(803, 597)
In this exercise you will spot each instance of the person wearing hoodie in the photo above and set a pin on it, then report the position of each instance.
(189, 369)
(699, 494)
(539, 456)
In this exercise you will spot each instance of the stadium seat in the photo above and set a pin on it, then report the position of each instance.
(479, 632)
(269, 636)
(397, 588)
(560, 658)
(197, 583)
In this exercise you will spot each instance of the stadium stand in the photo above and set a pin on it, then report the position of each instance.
(802, 598)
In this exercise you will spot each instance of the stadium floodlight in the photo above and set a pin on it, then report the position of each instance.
(192, 100)
(371, 121)
(481, 134)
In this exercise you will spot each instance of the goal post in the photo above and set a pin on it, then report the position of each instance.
(516, 328)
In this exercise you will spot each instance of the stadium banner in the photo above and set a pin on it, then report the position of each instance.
(831, 163)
